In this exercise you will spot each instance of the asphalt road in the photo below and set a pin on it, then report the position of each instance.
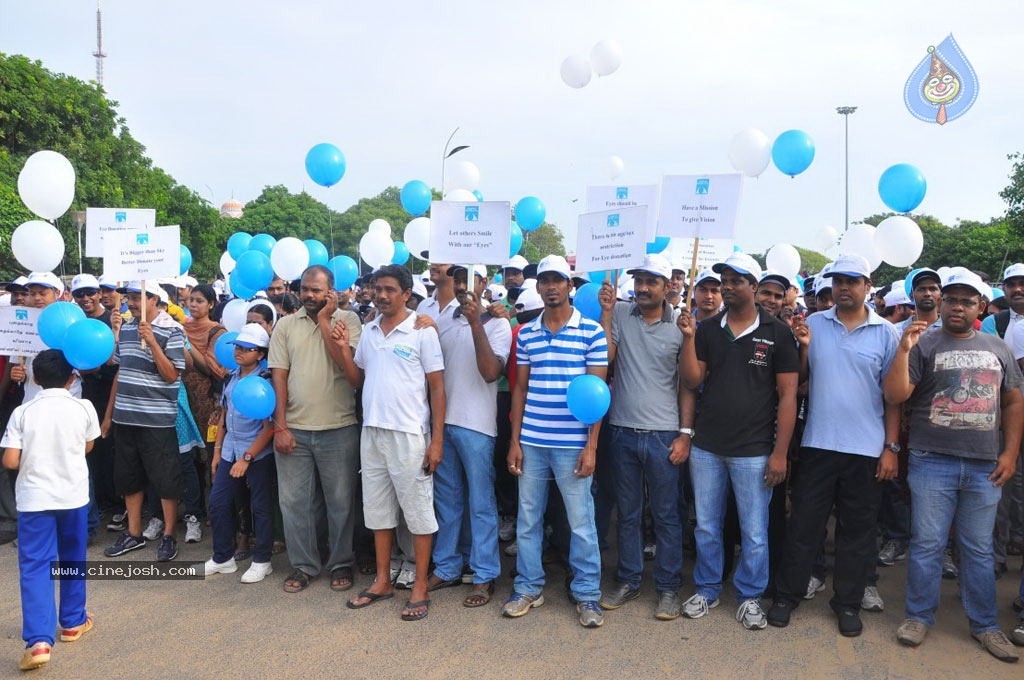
(222, 629)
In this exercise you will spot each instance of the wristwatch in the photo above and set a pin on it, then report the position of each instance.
(894, 447)
(687, 431)
(248, 457)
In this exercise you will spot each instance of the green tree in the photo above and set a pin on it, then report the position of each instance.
(542, 241)
(1013, 194)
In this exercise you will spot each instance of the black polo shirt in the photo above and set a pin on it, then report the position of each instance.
(736, 412)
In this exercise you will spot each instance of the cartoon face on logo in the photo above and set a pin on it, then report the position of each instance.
(21, 314)
(472, 213)
(613, 220)
(943, 86)
(142, 239)
(621, 193)
(703, 186)
(120, 216)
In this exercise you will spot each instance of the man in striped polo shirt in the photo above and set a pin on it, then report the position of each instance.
(548, 443)
(144, 406)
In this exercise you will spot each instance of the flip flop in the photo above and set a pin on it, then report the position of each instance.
(409, 604)
(443, 584)
(372, 597)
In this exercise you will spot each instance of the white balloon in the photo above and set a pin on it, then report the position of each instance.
(460, 195)
(46, 184)
(899, 241)
(234, 314)
(826, 237)
(290, 257)
(381, 226)
(376, 249)
(784, 259)
(462, 175)
(750, 152)
(944, 273)
(615, 166)
(860, 240)
(575, 71)
(417, 236)
(606, 57)
(38, 246)
(227, 264)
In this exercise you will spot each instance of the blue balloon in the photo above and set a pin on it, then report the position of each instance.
(239, 289)
(401, 253)
(415, 197)
(530, 213)
(254, 397)
(262, 243)
(657, 245)
(224, 351)
(254, 270)
(345, 270)
(238, 244)
(586, 301)
(55, 320)
(737, 249)
(498, 278)
(479, 196)
(793, 152)
(908, 282)
(597, 277)
(902, 187)
(325, 164)
(516, 242)
(588, 398)
(88, 344)
(997, 293)
(317, 252)
(186, 259)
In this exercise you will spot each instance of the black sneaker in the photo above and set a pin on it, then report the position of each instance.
(168, 549)
(118, 521)
(849, 622)
(778, 614)
(125, 543)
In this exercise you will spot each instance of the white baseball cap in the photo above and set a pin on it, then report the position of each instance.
(419, 289)
(529, 300)
(252, 335)
(850, 265)
(821, 284)
(498, 291)
(48, 279)
(971, 280)
(84, 281)
(707, 275)
(556, 264)
(654, 264)
(517, 262)
(17, 284)
(776, 278)
(425, 278)
(107, 282)
(740, 262)
(897, 296)
(1015, 269)
(478, 269)
(136, 287)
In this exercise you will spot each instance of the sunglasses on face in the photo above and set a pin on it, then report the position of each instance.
(85, 292)
(239, 348)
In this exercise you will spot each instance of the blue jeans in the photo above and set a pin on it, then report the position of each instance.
(44, 537)
(943, 490)
(228, 493)
(636, 458)
(712, 475)
(541, 465)
(466, 472)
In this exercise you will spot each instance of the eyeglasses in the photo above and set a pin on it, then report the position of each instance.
(966, 303)
(85, 292)
(239, 348)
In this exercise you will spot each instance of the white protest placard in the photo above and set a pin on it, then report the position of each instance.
(464, 232)
(150, 254)
(702, 206)
(610, 197)
(710, 251)
(19, 336)
(101, 221)
(612, 239)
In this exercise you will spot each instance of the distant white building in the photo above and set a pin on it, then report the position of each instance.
(232, 208)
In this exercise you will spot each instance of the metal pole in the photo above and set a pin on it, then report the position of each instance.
(845, 112)
(444, 157)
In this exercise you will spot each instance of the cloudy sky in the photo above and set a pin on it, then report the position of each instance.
(229, 95)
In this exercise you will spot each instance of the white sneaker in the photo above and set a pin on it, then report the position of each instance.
(698, 606)
(256, 572)
(751, 615)
(872, 601)
(153, 530)
(193, 529)
(406, 576)
(211, 567)
(396, 569)
(814, 586)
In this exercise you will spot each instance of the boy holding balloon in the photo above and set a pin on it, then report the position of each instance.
(241, 457)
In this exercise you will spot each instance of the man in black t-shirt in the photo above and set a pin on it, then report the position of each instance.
(748, 363)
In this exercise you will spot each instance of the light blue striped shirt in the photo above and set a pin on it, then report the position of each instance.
(554, 360)
(144, 398)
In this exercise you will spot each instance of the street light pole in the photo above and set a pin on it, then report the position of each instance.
(78, 219)
(447, 154)
(845, 112)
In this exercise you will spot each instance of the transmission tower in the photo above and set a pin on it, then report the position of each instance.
(99, 53)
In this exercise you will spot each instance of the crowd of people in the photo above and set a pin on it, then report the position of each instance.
(422, 422)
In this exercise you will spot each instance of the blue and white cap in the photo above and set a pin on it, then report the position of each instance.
(740, 262)
(252, 335)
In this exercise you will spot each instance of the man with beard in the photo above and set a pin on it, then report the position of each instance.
(772, 291)
(316, 432)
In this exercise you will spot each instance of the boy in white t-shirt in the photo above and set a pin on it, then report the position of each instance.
(46, 440)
